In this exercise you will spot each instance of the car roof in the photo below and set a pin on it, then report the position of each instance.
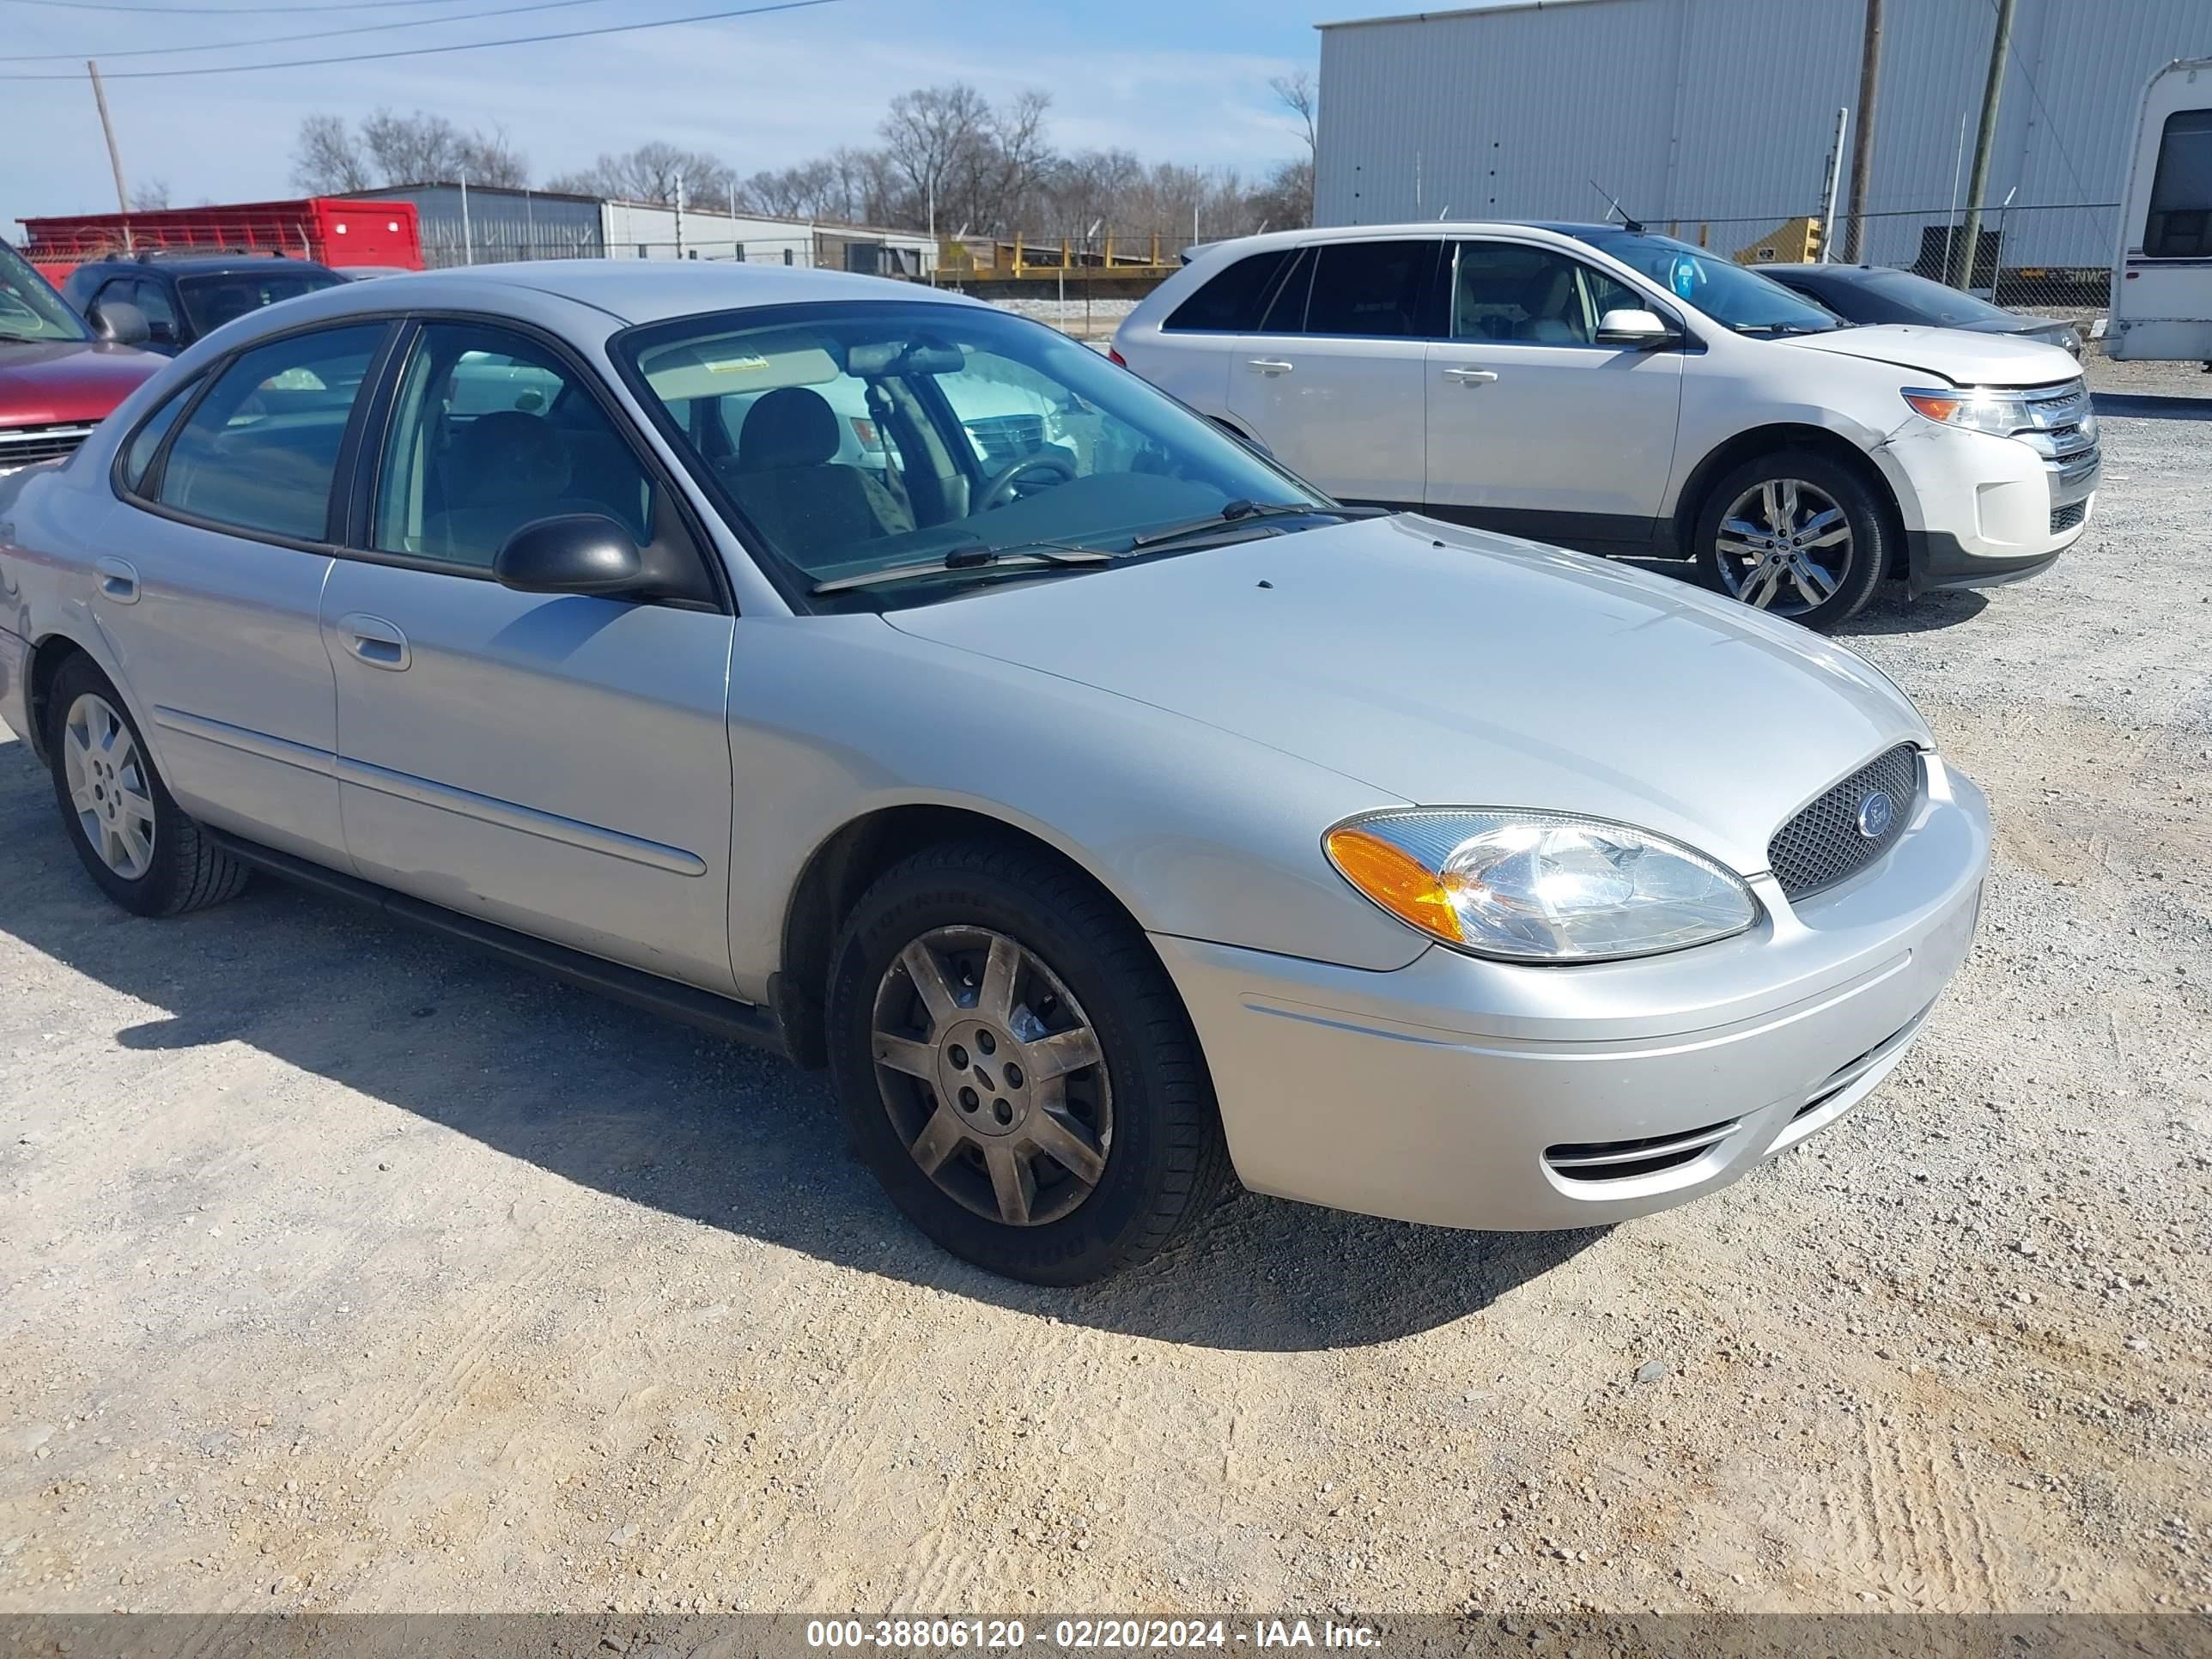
(630, 290)
(1543, 229)
(190, 264)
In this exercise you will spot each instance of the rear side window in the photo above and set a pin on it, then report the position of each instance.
(259, 451)
(1232, 302)
(1373, 290)
(146, 442)
(2179, 224)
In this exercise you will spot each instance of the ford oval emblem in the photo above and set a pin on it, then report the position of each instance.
(1877, 812)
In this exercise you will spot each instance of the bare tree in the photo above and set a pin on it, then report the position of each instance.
(149, 195)
(1293, 183)
(649, 172)
(933, 134)
(1299, 96)
(327, 160)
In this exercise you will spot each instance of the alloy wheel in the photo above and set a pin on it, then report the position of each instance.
(993, 1075)
(109, 786)
(1784, 545)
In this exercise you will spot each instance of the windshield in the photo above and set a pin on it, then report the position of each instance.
(1723, 291)
(222, 297)
(952, 440)
(1898, 296)
(29, 307)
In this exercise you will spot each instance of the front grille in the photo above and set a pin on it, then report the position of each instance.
(1003, 439)
(1624, 1160)
(2065, 518)
(1823, 843)
(20, 445)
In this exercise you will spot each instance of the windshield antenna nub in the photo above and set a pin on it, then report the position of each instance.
(1628, 224)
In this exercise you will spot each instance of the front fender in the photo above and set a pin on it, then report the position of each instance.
(1195, 831)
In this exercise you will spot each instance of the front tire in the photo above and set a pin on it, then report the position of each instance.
(132, 837)
(1015, 1067)
(1797, 534)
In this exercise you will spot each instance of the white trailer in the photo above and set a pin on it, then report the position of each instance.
(2162, 274)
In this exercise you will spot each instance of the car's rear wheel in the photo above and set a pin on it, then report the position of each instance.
(1017, 1069)
(1795, 534)
(134, 840)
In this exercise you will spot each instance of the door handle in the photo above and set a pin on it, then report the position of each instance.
(118, 580)
(1270, 365)
(375, 641)
(1471, 376)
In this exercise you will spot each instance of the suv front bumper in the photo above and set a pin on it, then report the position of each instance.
(1469, 1093)
(1989, 510)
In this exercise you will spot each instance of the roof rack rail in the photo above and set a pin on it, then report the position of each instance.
(147, 256)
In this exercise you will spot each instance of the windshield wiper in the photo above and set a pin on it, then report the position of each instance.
(969, 558)
(1242, 512)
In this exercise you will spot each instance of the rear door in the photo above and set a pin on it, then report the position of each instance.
(557, 763)
(1533, 426)
(1189, 353)
(1333, 382)
(212, 594)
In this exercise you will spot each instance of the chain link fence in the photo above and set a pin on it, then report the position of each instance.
(2054, 259)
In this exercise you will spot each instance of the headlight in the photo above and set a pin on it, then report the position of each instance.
(2001, 414)
(1540, 886)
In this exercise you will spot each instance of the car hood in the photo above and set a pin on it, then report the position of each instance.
(1950, 354)
(1450, 667)
(44, 381)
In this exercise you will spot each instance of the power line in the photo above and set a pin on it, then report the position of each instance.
(426, 52)
(227, 11)
(104, 54)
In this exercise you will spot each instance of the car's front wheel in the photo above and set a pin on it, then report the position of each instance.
(1017, 1069)
(1797, 534)
(134, 841)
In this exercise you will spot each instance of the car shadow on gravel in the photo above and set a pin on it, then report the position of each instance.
(662, 1116)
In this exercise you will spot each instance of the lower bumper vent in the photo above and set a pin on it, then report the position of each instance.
(2065, 518)
(1625, 1160)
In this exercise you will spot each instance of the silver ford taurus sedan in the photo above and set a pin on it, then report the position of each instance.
(883, 678)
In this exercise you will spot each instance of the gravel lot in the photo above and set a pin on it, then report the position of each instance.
(340, 1269)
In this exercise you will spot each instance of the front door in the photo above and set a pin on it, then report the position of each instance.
(1333, 383)
(212, 590)
(559, 764)
(1535, 429)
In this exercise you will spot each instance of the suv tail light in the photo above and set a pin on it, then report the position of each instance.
(1119, 361)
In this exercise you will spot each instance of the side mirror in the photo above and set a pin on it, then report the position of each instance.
(579, 553)
(119, 322)
(1638, 331)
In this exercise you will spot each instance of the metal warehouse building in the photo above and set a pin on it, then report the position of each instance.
(482, 224)
(1715, 118)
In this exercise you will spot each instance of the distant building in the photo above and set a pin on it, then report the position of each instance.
(484, 225)
(1715, 118)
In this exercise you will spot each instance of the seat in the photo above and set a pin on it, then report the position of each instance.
(504, 470)
(1550, 305)
(788, 480)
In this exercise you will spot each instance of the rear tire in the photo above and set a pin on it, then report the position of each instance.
(1797, 534)
(134, 840)
(1017, 1069)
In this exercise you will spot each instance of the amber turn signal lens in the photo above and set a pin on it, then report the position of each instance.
(1396, 881)
(1935, 407)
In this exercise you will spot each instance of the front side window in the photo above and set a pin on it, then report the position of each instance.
(30, 310)
(213, 299)
(259, 451)
(1509, 292)
(854, 438)
(1377, 290)
(2179, 226)
(490, 431)
(1735, 298)
(1232, 302)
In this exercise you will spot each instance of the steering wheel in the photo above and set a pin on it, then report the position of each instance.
(1000, 489)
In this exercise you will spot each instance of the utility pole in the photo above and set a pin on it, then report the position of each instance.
(468, 241)
(1985, 141)
(679, 215)
(1862, 147)
(114, 155)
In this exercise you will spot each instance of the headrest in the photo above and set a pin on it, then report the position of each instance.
(792, 426)
(508, 456)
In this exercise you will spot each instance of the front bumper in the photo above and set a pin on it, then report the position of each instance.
(1985, 510)
(1479, 1094)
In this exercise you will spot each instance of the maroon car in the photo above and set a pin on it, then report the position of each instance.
(58, 377)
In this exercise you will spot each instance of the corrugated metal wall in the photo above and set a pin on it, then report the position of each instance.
(502, 224)
(1721, 113)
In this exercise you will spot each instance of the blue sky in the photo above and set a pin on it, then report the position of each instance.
(1170, 81)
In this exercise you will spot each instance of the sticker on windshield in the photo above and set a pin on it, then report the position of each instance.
(751, 364)
(1683, 279)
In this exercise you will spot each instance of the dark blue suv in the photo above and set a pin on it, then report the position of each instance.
(184, 295)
